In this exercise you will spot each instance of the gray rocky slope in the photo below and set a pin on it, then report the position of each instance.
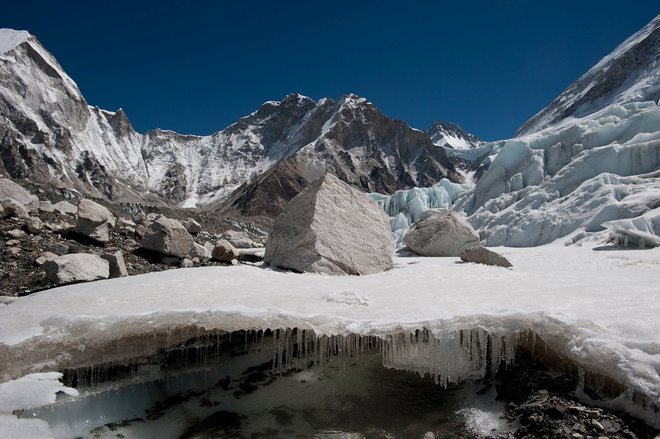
(50, 135)
(630, 73)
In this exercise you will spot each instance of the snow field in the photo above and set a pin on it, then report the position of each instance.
(598, 308)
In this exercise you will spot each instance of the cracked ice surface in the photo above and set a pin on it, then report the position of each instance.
(599, 308)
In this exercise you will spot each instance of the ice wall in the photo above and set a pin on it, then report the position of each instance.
(643, 231)
(574, 176)
(406, 207)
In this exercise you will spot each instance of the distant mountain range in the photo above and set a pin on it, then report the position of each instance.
(50, 135)
(587, 161)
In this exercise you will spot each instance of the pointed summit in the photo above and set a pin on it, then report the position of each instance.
(10, 38)
(451, 135)
(631, 73)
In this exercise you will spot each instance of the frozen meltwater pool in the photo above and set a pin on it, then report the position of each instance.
(243, 393)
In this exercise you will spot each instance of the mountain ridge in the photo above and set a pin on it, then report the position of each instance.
(630, 73)
(49, 133)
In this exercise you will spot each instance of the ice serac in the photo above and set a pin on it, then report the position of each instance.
(573, 171)
(407, 206)
(331, 228)
(441, 232)
(629, 74)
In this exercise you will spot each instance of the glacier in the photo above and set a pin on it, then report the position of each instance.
(597, 309)
(405, 207)
(570, 178)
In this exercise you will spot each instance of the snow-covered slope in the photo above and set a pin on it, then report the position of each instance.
(581, 170)
(450, 135)
(631, 73)
(49, 134)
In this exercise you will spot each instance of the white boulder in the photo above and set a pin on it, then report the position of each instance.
(94, 221)
(331, 228)
(441, 233)
(78, 267)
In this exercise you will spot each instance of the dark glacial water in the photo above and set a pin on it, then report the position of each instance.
(251, 390)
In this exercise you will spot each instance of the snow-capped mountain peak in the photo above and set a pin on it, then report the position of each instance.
(631, 73)
(10, 38)
(50, 134)
(451, 135)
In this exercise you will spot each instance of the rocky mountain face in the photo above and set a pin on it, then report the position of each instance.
(630, 73)
(50, 135)
(353, 140)
(452, 136)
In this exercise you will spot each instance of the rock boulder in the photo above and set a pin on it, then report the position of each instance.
(481, 255)
(169, 237)
(11, 190)
(331, 228)
(117, 264)
(94, 221)
(192, 226)
(77, 267)
(13, 208)
(224, 251)
(441, 233)
(239, 239)
(65, 208)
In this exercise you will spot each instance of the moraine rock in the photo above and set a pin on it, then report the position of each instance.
(65, 208)
(239, 239)
(169, 237)
(481, 255)
(13, 208)
(15, 234)
(45, 256)
(78, 267)
(140, 231)
(224, 251)
(201, 252)
(46, 206)
(10, 190)
(441, 233)
(34, 225)
(192, 226)
(117, 264)
(331, 228)
(94, 221)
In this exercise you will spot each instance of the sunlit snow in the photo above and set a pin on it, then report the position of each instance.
(598, 307)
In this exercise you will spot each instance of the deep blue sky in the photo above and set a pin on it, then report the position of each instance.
(196, 67)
